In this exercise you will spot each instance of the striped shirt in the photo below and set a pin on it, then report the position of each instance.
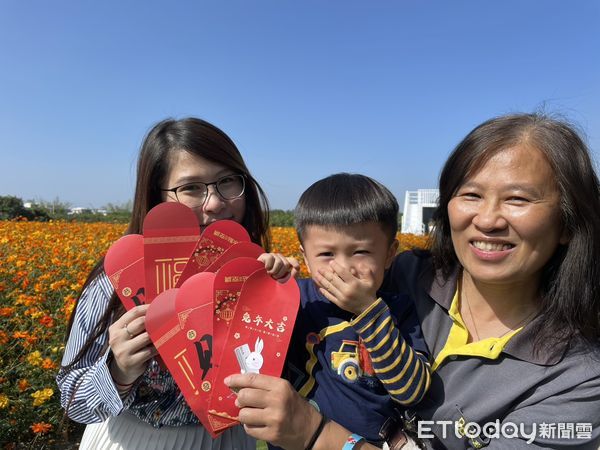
(88, 393)
(358, 371)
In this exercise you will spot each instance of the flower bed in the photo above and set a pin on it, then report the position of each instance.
(42, 268)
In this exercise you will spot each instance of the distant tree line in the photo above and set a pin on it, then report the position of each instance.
(12, 207)
(281, 218)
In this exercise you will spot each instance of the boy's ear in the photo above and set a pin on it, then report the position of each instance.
(304, 257)
(392, 252)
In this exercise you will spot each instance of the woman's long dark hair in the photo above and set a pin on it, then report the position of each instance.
(197, 137)
(570, 286)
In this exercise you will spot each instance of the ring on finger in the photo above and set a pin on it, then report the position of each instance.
(128, 332)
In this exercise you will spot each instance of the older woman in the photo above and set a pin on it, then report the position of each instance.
(508, 297)
(509, 294)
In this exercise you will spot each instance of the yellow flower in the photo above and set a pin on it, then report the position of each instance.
(35, 358)
(41, 397)
(3, 401)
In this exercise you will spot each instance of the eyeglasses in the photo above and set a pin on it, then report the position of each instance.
(195, 194)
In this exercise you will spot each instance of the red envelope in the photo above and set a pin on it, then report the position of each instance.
(124, 266)
(171, 232)
(258, 338)
(227, 288)
(249, 249)
(194, 308)
(228, 283)
(215, 239)
(162, 323)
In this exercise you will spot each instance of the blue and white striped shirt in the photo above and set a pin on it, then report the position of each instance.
(88, 392)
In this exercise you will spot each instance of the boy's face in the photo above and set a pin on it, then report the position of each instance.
(356, 247)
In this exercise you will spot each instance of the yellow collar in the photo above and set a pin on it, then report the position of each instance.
(456, 344)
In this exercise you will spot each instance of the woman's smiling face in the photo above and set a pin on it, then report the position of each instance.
(505, 218)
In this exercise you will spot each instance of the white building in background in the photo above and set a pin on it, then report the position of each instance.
(418, 210)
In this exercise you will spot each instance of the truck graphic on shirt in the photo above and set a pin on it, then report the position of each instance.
(352, 360)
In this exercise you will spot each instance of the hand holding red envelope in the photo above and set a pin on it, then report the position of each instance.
(214, 309)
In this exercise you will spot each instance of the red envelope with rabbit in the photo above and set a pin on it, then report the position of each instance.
(171, 232)
(258, 336)
(124, 266)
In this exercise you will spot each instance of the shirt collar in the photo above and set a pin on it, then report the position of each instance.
(521, 346)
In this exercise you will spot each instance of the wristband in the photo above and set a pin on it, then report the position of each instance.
(121, 386)
(317, 432)
(352, 440)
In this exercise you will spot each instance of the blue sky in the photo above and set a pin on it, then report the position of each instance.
(305, 88)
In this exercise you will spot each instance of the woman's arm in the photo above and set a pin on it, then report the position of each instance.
(271, 410)
(87, 392)
(99, 384)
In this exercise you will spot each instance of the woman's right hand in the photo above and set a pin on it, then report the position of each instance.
(271, 410)
(131, 346)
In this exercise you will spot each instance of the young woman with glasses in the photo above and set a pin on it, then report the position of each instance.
(109, 378)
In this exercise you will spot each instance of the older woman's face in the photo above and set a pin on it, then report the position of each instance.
(185, 167)
(505, 219)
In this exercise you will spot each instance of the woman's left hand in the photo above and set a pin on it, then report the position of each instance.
(280, 267)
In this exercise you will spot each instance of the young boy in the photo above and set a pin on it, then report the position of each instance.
(364, 354)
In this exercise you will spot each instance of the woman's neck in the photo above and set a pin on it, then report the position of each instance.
(493, 310)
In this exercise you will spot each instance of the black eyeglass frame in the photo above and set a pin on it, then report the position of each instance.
(213, 183)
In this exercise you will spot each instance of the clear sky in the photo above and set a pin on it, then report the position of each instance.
(305, 88)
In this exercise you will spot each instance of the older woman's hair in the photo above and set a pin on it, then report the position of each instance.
(570, 286)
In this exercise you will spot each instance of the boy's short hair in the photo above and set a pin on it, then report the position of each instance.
(346, 199)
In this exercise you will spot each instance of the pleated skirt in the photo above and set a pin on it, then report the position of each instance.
(127, 432)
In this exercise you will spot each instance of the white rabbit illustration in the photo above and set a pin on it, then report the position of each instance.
(254, 360)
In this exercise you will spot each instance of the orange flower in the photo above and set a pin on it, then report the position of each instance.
(3, 338)
(23, 384)
(48, 364)
(7, 311)
(41, 427)
(47, 321)
(20, 335)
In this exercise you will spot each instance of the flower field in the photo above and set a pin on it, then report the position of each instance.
(42, 269)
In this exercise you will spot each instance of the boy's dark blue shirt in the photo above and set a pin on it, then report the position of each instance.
(328, 363)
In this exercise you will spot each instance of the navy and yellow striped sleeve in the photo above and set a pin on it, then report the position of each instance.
(404, 372)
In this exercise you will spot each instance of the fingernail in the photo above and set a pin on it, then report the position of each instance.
(227, 380)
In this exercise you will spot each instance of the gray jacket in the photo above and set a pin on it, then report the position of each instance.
(549, 398)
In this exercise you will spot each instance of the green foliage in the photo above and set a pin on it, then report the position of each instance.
(126, 207)
(13, 208)
(281, 218)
